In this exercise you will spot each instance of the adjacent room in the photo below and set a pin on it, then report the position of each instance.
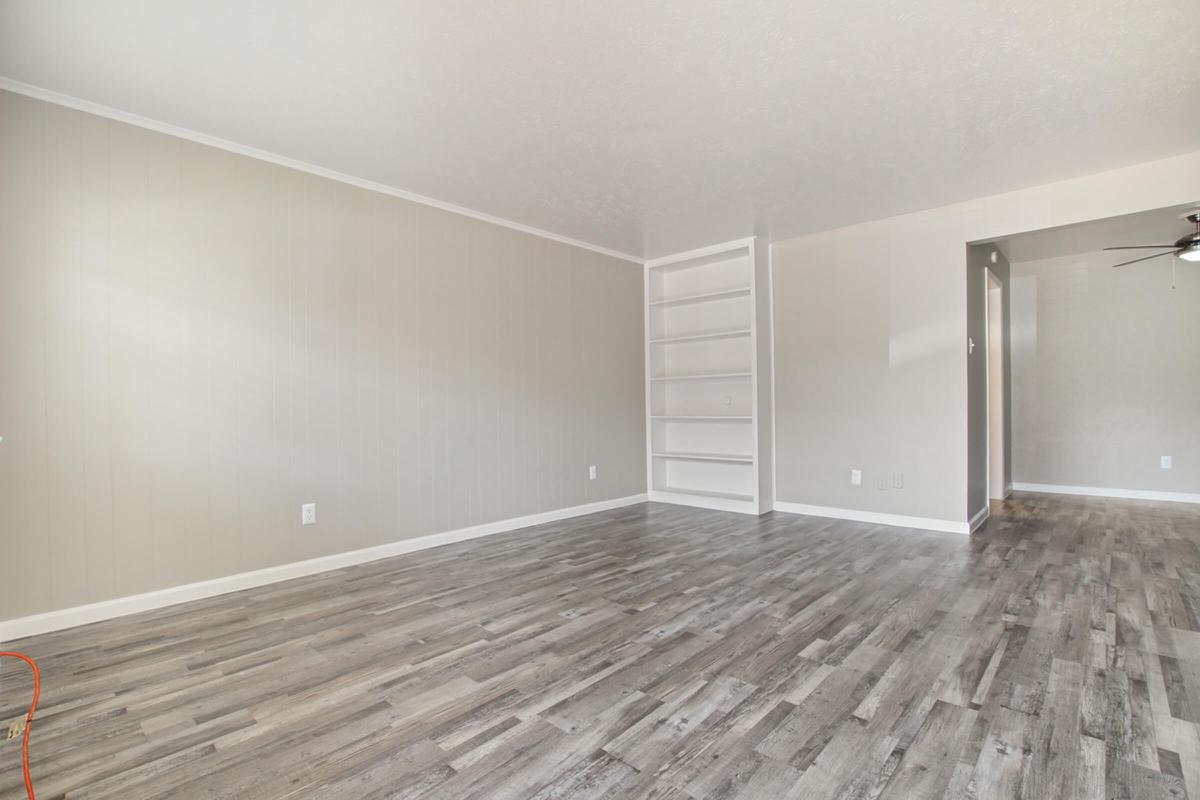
(663, 401)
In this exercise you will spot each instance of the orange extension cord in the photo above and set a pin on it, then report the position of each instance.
(37, 690)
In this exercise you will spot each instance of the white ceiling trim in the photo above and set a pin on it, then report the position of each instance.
(136, 120)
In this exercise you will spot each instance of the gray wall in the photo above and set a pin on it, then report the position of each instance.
(193, 343)
(978, 262)
(1106, 373)
(870, 333)
(870, 374)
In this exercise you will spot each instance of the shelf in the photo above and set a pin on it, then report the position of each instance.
(707, 376)
(701, 376)
(703, 337)
(718, 255)
(699, 493)
(702, 298)
(726, 457)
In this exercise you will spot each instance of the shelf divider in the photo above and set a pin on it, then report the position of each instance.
(702, 337)
(701, 418)
(703, 297)
(726, 457)
(701, 376)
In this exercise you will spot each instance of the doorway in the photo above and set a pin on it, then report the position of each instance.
(994, 311)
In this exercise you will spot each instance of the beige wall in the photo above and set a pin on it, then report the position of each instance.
(1106, 373)
(871, 339)
(193, 343)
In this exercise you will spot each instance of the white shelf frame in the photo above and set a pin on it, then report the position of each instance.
(759, 420)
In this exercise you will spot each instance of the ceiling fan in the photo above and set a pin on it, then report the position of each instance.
(1185, 247)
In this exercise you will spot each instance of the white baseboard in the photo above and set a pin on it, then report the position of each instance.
(897, 520)
(121, 606)
(980, 517)
(1096, 491)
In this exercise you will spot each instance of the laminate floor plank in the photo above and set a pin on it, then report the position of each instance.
(662, 653)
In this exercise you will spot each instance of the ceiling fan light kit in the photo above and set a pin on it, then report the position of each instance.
(1185, 247)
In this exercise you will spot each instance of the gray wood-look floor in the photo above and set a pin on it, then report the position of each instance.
(661, 652)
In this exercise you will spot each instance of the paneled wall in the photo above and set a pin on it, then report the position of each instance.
(193, 343)
(871, 341)
(1106, 373)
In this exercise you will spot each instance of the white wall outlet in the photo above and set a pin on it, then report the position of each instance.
(897, 480)
(882, 482)
(308, 514)
(592, 473)
(1166, 462)
(856, 477)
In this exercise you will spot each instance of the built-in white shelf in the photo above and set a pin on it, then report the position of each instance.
(704, 337)
(708, 378)
(703, 297)
(730, 458)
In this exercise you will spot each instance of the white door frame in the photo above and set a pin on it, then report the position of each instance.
(993, 355)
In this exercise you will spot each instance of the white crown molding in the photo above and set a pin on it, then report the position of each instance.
(87, 106)
(874, 517)
(122, 606)
(1096, 491)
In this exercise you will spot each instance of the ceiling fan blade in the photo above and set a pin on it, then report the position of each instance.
(1143, 247)
(1143, 258)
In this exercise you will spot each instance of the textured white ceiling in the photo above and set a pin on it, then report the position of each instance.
(1146, 227)
(647, 127)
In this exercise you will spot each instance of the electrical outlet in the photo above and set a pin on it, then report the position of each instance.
(897, 480)
(592, 473)
(1166, 462)
(308, 514)
(882, 482)
(856, 477)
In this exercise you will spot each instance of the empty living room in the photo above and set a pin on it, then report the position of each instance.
(543, 400)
